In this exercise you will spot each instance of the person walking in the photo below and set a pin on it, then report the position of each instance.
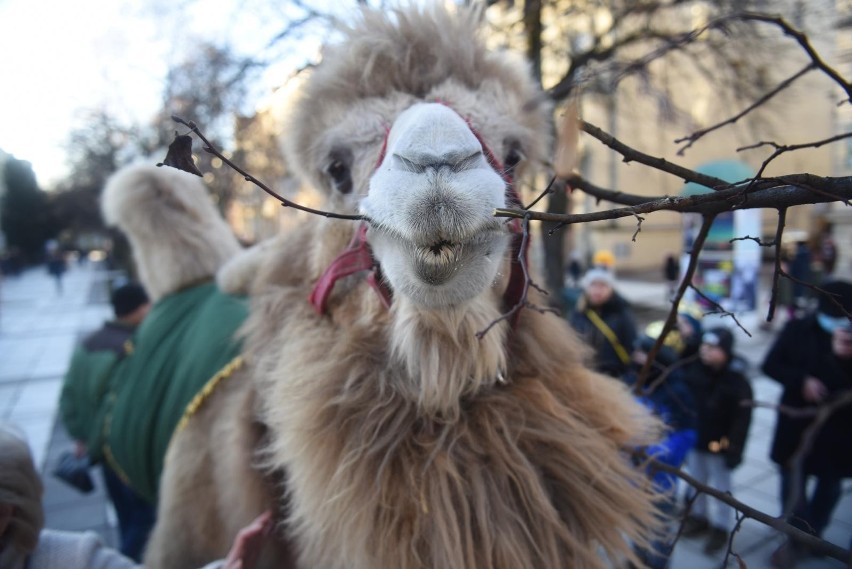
(719, 387)
(605, 320)
(812, 360)
(81, 407)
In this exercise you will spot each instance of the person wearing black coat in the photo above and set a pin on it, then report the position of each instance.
(812, 359)
(719, 387)
(605, 321)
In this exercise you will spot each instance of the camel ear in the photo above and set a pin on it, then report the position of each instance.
(567, 142)
(236, 275)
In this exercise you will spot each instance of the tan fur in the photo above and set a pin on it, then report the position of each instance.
(177, 236)
(407, 442)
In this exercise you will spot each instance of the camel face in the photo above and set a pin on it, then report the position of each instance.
(430, 204)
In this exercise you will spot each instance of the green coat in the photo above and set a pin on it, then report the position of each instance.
(183, 343)
(84, 390)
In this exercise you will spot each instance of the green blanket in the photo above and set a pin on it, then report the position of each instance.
(186, 339)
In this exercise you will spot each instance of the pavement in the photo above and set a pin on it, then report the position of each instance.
(40, 327)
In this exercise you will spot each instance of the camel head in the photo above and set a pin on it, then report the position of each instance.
(413, 123)
(430, 205)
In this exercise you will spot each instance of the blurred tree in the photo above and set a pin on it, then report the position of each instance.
(96, 149)
(587, 50)
(23, 212)
(208, 88)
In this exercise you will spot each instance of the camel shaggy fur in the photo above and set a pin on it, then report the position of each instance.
(177, 236)
(393, 437)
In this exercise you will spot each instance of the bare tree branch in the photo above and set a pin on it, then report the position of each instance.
(671, 319)
(249, 178)
(805, 43)
(811, 541)
(695, 136)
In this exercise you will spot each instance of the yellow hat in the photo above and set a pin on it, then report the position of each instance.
(673, 338)
(603, 258)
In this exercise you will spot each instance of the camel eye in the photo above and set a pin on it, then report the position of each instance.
(513, 157)
(339, 172)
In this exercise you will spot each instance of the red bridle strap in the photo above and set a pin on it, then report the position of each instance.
(355, 258)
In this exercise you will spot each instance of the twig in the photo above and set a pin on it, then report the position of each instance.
(630, 155)
(719, 310)
(814, 543)
(755, 239)
(770, 195)
(783, 148)
(547, 191)
(776, 273)
(209, 147)
(671, 319)
(695, 136)
(805, 43)
(523, 302)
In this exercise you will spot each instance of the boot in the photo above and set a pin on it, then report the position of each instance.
(693, 526)
(718, 539)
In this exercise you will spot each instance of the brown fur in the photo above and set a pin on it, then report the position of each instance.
(407, 442)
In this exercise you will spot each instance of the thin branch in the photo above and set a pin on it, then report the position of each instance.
(639, 220)
(719, 310)
(774, 196)
(811, 541)
(671, 319)
(776, 273)
(523, 302)
(695, 136)
(755, 239)
(547, 191)
(783, 148)
(630, 155)
(209, 147)
(805, 43)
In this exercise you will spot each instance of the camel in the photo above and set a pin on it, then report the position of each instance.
(370, 415)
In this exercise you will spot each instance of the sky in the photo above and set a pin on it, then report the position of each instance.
(58, 59)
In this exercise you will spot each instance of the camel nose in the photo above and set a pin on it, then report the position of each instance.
(430, 136)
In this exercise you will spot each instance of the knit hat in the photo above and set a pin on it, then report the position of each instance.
(598, 274)
(604, 259)
(127, 298)
(721, 337)
(838, 292)
(693, 314)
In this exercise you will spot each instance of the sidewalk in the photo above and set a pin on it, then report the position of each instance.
(38, 330)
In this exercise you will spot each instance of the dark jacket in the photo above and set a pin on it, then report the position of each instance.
(803, 348)
(723, 422)
(618, 315)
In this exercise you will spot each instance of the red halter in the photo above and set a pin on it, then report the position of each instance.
(358, 255)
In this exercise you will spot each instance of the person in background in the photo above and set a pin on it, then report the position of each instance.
(719, 387)
(812, 360)
(81, 409)
(689, 316)
(56, 266)
(26, 544)
(671, 272)
(605, 320)
(665, 393)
